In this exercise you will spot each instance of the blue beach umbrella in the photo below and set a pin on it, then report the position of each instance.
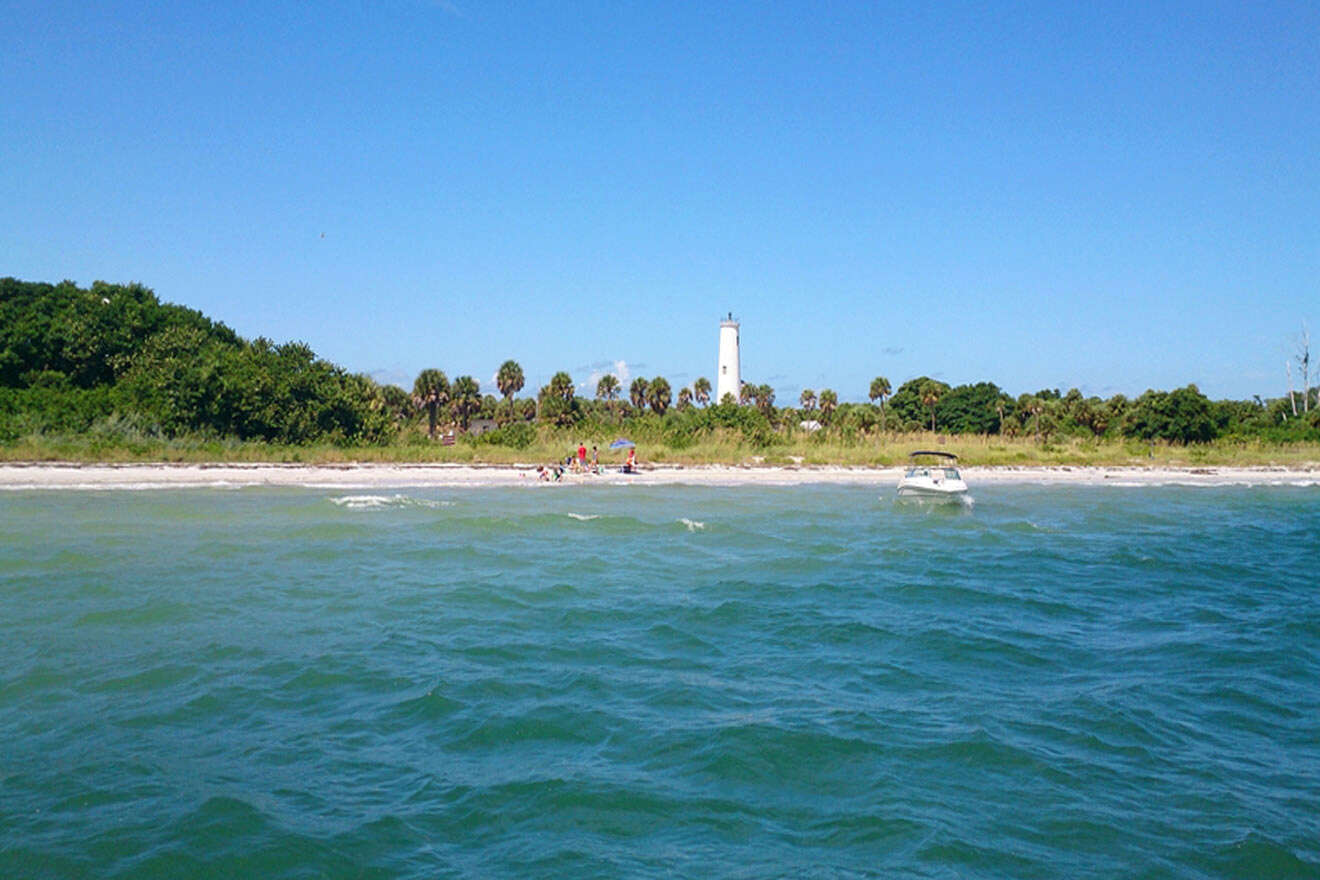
(621, 443)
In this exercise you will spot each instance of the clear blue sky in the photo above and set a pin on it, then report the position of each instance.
(1114, 196)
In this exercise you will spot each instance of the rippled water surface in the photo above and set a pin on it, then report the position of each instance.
(680, 681)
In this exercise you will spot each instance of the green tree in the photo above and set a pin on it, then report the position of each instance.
(1115, 411)
(561, 386)
(509, 379)
(88, 335)
(637, 392)
(701, 390)
(1003, 408)
(765, 400)
(880, 390)
(430, 392)
(395, 402)
(931, 393)
(558, 403)
(908, 402)
(970, 409)
(684, 398)
(808, 400)
(828, 402)
(1033, 405)
(658, 395)
(465, 400)
(1180, 416)
(607, 388)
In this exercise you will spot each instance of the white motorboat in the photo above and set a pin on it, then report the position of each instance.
(932, 475)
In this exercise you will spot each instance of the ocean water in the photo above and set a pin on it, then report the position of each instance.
(679, 681)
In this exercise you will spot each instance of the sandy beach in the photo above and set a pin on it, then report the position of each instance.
(70, 476)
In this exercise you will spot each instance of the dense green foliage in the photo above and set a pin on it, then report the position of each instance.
(114, 361)
(71, 358)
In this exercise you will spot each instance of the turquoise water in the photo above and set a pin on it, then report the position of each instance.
(626, 681)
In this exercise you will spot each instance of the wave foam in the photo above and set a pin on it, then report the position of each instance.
(692, 524)
(385, 502)
(584, 517)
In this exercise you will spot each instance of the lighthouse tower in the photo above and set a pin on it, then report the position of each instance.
(728, 374)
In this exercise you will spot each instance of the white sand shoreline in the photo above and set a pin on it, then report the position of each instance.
(74, 476)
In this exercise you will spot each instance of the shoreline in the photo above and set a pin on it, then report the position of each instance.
(17, 476)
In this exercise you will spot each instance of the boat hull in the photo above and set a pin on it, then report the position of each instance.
(927, 489)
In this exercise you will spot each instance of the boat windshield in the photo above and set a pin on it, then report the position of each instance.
(936, 473)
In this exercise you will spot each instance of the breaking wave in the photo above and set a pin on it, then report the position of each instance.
(387, 502)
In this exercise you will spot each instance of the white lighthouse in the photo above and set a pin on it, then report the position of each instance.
(728, 374)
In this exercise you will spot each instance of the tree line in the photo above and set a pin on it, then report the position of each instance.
(72, 358)
(1183, 415)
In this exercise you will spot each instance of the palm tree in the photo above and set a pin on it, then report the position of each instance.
(657, 394)
(1035, 406)
(807, 399)
(684, 397)
(701, 390)
(509, 379)
(829, 401)
(746, 393)
(930, 395)
(880, 389)
(637, 392)
(465, 399)
(607, 388)
(561, 386)
(765, 399)
(430, 392)
(396, 402)
(555, 402)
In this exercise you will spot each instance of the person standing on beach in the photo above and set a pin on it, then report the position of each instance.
(582, 456)
(595, 466)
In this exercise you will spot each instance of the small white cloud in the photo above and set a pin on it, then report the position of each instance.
(619, 369)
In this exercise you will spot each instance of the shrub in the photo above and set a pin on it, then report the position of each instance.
(516, 435)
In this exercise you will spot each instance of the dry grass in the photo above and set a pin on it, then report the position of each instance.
(721, 448)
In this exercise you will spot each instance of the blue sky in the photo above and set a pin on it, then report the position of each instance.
(1113, 196)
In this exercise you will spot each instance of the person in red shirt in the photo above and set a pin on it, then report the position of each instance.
(582, 456)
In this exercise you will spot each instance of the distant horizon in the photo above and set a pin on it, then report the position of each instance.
(1112, 199)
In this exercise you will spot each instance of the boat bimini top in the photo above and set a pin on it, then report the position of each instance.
(945, 465)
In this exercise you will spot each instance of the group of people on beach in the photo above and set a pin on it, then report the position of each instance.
(577, 463)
